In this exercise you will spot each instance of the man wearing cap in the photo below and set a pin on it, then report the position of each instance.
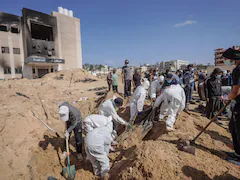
(110, 107)
(126, 79)
(73, 118)
(234, 125)
(188, 79)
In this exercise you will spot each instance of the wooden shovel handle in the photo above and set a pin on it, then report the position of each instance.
(212, 120)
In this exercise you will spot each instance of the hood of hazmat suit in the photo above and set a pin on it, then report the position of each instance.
(174, 93)
(95, 121)
(156, 87)
(109, 109)
(145, 83)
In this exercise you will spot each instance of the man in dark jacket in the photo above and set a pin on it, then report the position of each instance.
(214, 93)
(126, 79)
(73, 119)
(109, 80)
(187, 81)
(234, 125)
(137, 78)
(201, 79)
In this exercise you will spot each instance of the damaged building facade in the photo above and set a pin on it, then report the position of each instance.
(37, 43)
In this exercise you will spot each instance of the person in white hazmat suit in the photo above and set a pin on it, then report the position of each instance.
(109, 108)
(95, 121)
(97, 144)
(155, 88)
(171, 102)
(138, 98)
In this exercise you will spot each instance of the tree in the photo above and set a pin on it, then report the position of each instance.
(91, 67)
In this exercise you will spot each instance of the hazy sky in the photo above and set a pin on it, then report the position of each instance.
(147, 31)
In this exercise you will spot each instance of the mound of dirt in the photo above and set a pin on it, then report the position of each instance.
(30, 151)
(77, 74)
(160, 159)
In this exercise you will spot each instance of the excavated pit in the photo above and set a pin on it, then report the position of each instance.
(30, 151)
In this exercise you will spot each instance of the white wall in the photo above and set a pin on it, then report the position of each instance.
(68, 41)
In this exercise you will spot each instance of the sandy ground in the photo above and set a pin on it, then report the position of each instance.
(30, 151)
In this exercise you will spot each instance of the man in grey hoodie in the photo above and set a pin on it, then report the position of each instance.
(73, 118)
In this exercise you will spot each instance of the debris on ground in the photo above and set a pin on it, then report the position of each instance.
(30, 151)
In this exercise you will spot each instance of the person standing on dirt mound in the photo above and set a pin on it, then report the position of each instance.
(214, 93)
(109, 80)
(138, 98)
(234, 125)
(97, 146)
(171, 102)
(187, 81)
(73, 118)
(115, 81)
(109, 108)
(126, 79)
(136, 78)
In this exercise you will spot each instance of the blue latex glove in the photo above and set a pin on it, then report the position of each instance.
(140, 112)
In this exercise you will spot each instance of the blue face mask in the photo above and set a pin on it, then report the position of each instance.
(169, 81)
(218, 76)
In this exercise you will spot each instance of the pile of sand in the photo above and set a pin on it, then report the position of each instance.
(67, 75)
(160, 159)
(30, 151)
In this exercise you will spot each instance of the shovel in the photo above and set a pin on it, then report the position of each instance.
(185, 145)
(69, 172)
(46, 124)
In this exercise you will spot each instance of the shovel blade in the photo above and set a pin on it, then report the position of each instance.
(69, 172)
(189, 149)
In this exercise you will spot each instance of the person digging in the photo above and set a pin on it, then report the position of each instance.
(171, 102)
(233, 56)
(73, 121)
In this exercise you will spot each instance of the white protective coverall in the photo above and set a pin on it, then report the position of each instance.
(95, 121)
(97, 144)
(138, 98)
(107, 109)
(155, 87)
(173, 102)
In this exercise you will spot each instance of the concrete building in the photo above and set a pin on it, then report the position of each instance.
(144, 68)
(172, 65)
(37, 43)
(219, 59)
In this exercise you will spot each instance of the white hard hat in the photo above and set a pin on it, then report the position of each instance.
(64, 113)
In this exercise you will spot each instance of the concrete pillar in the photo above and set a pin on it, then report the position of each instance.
(1, 69)
(12, 62)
